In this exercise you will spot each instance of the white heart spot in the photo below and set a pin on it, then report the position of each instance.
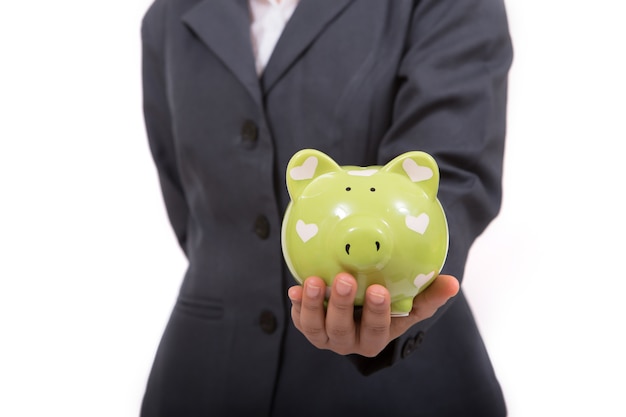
(422, 279)
(305, 231)
(418, 224)
(416, 172)
(304, 171)
(363, 172)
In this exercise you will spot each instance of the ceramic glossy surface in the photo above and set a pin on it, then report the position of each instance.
(382, 224)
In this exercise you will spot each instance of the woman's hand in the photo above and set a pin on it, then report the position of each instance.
(334, 327)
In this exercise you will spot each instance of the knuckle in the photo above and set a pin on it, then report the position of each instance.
(311, 307)
(377, 330)
(342, 307)
(340, 333)
(295, 310)
(312, 331)
(378, 311)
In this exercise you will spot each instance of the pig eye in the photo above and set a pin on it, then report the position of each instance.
(372, 189)
(348, 188)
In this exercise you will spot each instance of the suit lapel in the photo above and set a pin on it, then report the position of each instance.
(224, 26)
(307, 21)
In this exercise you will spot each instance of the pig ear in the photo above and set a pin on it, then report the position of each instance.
(305, 166)
(419, 167)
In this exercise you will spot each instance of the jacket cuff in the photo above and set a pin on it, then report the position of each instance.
(399, 348)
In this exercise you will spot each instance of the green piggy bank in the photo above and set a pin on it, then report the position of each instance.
(384, 225)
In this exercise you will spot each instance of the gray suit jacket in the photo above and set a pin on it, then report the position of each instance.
(363, 81)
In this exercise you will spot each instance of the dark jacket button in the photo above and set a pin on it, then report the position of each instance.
(412, 344)
(419, 338)
(249, 133)
(408, 348)
(268, 322)
(262, 227)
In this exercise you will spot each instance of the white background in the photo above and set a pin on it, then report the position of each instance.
(83, 231)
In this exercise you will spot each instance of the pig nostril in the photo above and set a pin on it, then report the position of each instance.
(348, 248)
(377, 246)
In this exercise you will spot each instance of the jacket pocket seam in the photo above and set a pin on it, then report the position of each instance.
(204, 308)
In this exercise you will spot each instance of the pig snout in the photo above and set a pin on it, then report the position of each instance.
(362, 244)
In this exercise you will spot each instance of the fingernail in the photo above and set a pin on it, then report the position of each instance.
(376, 298)
(312, 290)
(343, 287)
(291, 293)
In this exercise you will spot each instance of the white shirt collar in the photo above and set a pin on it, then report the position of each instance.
(268, 19)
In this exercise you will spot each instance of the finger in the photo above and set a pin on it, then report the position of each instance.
(435, 296)
(375, 322)
(340, 326)
(426, 303)
(295, 295)
(312, 313)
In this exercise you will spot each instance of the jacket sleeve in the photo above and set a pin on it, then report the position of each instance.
(451, 103)
(158, 120)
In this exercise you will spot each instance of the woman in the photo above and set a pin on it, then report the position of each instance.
(229, 96)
